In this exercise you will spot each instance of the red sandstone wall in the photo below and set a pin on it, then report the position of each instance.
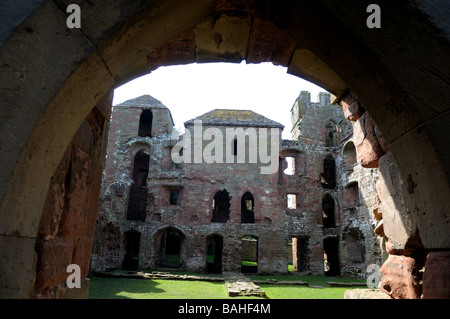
(68, 219)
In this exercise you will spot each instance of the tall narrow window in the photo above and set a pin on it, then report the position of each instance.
(280, 171)
(174, 197)
(292, 201)
(137, 201)
(247, 212)
(290, 169)
(331, 134)
(328, 177)
(235, 147)
(145, 124)
(328, 212)
(349, 153)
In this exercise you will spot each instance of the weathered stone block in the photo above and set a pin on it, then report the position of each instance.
(82, 254)
(308, 66)
(436, 277)
(18, 255)
(54, 257)
(365, 294)
(77, 195)
(353, 111)
(368, 149)
(179, 50)
(54, 204)
(223, 39)
(267, 43)
(63, 292)
(397, 223)
(400, 277)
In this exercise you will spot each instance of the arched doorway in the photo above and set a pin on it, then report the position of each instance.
(409, 112)
(171, 248)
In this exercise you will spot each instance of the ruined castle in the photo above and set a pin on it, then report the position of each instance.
(313, 212)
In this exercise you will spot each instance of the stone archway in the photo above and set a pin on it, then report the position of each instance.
(51, 92)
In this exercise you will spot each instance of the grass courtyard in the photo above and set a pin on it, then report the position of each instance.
(125, 288)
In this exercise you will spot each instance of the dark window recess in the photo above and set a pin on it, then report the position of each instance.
(328, 177)
(331, 137)
(137, 201)
(221, 207)
(280, 171)
(247, 211)
(145, 124)
(235, 147)
(174, 197)
(328, 212)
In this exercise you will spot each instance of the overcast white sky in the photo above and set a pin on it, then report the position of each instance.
(194, 89)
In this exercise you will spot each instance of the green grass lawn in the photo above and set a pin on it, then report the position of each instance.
(249, 263)
(120, 288)
(305, 292)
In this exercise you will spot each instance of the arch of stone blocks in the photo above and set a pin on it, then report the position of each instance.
(52, 77)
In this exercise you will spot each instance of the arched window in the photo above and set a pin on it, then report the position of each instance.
(349, 153)
(145, 124)
(328, 220)
(140, 169)
(137, 201)
(221, 207)
(247, 208)
(331, 134)
(351, 195)
(328, 177)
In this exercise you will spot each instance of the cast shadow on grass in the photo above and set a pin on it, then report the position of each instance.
(124, 288)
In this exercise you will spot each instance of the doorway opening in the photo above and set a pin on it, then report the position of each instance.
(132, 241)
(249, 254)
(171, 242)
(300, 254)
(214, 250)
(331, 257)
